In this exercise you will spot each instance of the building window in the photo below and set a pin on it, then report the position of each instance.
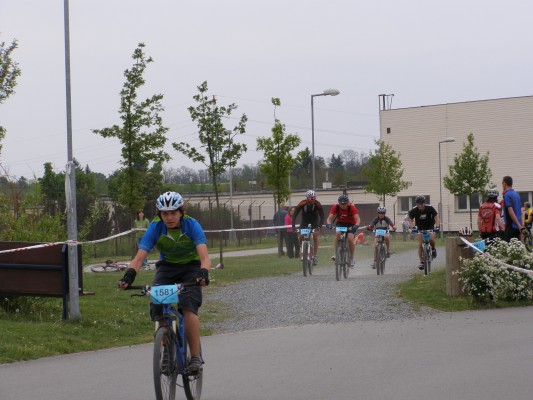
(465, 203)
(408, 202)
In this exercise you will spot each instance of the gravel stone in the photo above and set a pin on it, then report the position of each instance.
(319, 299)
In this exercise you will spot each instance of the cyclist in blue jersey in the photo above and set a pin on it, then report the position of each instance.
(183, 258)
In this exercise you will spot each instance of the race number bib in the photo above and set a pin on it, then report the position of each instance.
(164, 294)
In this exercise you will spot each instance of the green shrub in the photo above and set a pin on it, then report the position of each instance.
(486, 278)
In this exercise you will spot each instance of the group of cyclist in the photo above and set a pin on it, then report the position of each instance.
(182, 246)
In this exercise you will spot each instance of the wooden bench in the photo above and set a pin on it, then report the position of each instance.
(41, 272)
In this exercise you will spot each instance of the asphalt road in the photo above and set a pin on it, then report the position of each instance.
(465, 356)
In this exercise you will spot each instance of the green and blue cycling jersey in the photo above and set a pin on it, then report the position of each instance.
(177, 246)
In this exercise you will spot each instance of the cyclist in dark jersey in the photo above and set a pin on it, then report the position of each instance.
(424, 217)
(312, 214)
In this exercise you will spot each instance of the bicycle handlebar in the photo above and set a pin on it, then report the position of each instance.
(145, 289)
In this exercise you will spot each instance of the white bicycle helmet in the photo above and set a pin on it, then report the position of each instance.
(465, 231)
(169, 201)
(381, 210)
(492, 193)
(310, 194)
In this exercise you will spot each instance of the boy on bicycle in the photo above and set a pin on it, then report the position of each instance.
(381, 222)
(347, 215)
(183, 258)
(313, 214)
(424, 217)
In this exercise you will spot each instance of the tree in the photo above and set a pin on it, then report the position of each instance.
(278, 160)
(220, 151)
(9, 71)
(469, 174)
(141, 134)
(384, 171)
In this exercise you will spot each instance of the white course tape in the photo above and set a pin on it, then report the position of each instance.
(501, 263)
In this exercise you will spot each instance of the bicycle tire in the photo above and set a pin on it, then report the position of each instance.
(192, 383)
(338, 263)
(427, 260)
(345, 266)
(305, 257)
(164, 365)
(380, 260)
(104, 268)
(310, 262)
(528, 242)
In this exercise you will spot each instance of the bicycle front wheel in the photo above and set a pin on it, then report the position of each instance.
(346, 260)
(192, 383)
(382, 256)
(427, 261)
(311, 261)
(528, 242)
(338, 262)
(164, 365)
(305, 257)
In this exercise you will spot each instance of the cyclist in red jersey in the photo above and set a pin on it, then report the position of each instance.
(347, 215)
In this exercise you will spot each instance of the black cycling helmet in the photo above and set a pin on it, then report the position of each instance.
(343, 199)
(420, 200)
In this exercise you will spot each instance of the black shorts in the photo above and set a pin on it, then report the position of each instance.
(168, 274)
(306, 222)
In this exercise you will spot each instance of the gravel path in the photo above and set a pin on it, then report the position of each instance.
(296, 300)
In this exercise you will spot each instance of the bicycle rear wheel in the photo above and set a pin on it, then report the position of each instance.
(164, 365)
(305, 257)
(528, 242)
(192, 383)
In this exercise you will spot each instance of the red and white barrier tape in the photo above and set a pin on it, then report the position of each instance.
(501, 263)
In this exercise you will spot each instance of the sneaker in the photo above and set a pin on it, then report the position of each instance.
(333, 258)
(352, 264)
(434, 253)
(388, 254)
(373, 265)
(315, 260)
(195, 365)
(421, 267)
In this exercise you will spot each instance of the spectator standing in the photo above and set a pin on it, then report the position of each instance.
(293, 246)
(511, 208)
(489, 221)
(279, 220)
(140, 223)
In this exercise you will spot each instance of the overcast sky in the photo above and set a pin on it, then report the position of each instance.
(423, 52)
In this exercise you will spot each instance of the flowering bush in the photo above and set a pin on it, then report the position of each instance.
(486, 279)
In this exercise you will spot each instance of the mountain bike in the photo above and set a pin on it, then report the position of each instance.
(427, 255)
(381, 251)
(306, 249)
(171, 350)
(109, 266)
(528, 241)
(342, 255)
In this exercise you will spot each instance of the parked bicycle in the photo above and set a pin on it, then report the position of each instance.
(342, 255)
(109, 266)
(381, 250)
(171, 350)
(528, 241)
(306, 249)
(427, 256)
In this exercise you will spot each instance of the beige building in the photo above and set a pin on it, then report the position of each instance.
(501, 127)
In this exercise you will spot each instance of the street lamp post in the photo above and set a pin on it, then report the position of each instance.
(447, 140)
(232, 236)
(327, 92)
